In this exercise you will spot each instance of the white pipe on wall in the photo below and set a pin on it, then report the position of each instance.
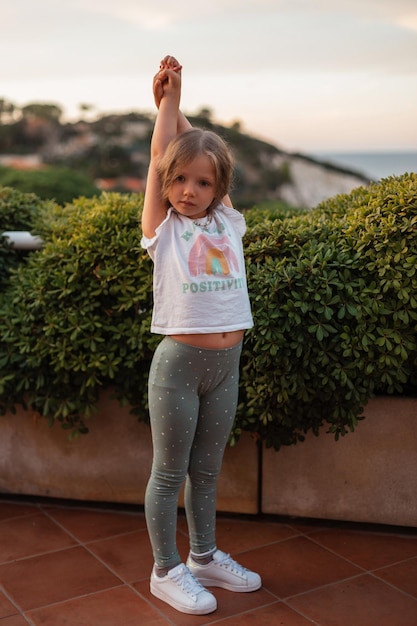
(23, 240)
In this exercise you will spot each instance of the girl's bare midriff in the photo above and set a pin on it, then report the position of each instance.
(212, 341)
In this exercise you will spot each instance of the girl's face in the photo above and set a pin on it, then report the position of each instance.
(193, 190)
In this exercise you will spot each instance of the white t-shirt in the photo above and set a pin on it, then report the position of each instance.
(199, 280)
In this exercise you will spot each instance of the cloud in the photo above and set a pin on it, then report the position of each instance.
(244, 59)
(157, 17)
(408, 21)
(85, 37)
(165, 13)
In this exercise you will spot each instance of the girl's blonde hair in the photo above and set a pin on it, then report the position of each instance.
(186, 147)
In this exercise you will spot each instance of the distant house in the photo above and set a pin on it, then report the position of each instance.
(22, 161)
(136, 129)
(121, 183)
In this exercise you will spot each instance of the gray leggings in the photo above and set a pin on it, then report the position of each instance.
(192, 404)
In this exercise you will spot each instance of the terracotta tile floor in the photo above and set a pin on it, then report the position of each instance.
(73, 564)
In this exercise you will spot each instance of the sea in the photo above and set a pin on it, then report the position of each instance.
(373, 165)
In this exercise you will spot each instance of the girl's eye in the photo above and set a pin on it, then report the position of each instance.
(204, 183)
(180, 178)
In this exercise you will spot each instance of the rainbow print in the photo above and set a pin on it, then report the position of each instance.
(212, 256)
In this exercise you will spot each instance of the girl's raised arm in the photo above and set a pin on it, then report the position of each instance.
(168, 84)
(169, 62)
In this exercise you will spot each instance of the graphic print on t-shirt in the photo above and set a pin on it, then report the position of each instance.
(212, 255)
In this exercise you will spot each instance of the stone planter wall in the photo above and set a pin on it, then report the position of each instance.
(110, 464)
(367, 476)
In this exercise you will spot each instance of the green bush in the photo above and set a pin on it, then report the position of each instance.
(18, 211)
(76, 316)
(270, 210)
(334, 298)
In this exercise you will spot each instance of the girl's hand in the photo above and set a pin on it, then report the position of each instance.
(164, 79)
(170, 63)
(158, 90)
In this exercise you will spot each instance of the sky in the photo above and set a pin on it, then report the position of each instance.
(305, 75)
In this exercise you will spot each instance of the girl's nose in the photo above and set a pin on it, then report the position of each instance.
(189, 189)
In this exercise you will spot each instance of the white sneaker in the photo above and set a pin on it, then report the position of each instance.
(181, 590)
(224, 572)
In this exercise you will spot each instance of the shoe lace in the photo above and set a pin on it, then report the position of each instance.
(230, 564)
(187, 582)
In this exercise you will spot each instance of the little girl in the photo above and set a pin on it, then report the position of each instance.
(201, 305)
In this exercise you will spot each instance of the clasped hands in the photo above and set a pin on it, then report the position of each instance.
(167, 79)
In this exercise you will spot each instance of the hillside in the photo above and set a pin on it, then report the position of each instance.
(113, 151)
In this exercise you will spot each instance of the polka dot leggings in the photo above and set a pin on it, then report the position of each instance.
(192, 404)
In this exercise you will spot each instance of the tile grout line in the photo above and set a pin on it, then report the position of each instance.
(340, 556)
(79, 544)
(325, 586)
(297, 533)
(92, 554)
(14, 518)
(390, 584)
(298, 612)
(36, 554)
(13, 603)
(84, 544)
(110, 569)
(83, 595)
(39, 554)
(371, 571)
(221, 620)
(149, 603)
(394, 564)
(269, 543)
(288, 520)
(144, 598)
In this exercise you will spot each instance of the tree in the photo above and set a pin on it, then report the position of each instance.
(6, 111)
(85, 108)
(49, 112)
(58, 183)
